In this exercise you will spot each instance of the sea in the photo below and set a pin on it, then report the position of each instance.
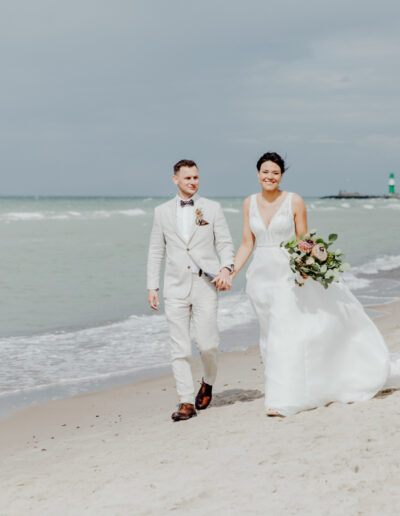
(73, 302)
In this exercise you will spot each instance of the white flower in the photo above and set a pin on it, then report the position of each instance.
(320, 252)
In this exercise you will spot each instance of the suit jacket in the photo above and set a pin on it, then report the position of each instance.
(204, 243)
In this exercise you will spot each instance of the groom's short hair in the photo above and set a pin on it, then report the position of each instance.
(184, 163)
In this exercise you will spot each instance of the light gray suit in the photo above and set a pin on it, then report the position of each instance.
(187, 295)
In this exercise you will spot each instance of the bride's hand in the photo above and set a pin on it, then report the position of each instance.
(223, 280)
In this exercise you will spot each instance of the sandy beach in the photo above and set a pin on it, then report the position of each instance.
(117, 452)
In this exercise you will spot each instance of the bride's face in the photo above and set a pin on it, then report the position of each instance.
(269, 176)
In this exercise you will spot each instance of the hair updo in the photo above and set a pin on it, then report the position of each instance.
(274, 157)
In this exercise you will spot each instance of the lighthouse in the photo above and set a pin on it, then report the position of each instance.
(391, 184)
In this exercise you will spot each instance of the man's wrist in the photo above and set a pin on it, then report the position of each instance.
(230, 268)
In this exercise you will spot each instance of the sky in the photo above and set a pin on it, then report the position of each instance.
(102, 98)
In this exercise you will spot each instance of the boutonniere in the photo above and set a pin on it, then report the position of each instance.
(199, 218)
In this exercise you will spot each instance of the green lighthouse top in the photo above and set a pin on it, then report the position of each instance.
(391, 183)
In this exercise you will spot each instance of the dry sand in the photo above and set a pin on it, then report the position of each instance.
(117, 452)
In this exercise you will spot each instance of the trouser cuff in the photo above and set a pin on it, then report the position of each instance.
(186, 399)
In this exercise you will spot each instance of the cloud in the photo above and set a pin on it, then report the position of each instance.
(100, 98)
(382, 141)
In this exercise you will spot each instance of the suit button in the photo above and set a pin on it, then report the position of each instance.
(187, 249)
(188, 266)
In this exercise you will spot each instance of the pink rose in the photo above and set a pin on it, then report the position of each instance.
(306, 246)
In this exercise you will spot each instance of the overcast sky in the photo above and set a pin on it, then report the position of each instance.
(102, 97)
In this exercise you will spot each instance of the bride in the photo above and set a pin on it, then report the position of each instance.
(317, 345)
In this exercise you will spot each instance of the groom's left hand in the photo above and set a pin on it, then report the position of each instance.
(223, 280)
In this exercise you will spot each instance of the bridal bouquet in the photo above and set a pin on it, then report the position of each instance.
(310, 257)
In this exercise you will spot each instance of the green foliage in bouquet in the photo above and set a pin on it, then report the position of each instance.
(310, 257)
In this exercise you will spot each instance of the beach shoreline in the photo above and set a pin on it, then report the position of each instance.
(238, 337)
(116, 451)
(74, 318)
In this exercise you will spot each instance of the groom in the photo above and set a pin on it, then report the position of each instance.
(189, 229)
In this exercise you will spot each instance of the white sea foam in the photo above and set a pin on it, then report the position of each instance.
(28, 215)
(314, 207)
(368, 206)
(132, 213)
(382, 263)
(130, 345)
(69, 215)
(234, 310)
(49, 358)
(231, 210)
(355, 283)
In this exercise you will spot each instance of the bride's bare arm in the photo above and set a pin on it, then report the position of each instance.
(247, 245)
(300, 215)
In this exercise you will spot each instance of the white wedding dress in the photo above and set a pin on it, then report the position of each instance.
(317, 345)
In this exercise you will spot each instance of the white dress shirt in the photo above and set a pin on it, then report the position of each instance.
(186, 219)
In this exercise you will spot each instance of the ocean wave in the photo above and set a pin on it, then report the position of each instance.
(105, 214)
(371, 268)
(355, 283)
(133, 344)
(234, 310)
(231, 210)
(382, 263)
(68, 215)
(313, 207)
(29, 215)
(368, 206)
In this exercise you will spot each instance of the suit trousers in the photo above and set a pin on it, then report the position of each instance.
(200, 308)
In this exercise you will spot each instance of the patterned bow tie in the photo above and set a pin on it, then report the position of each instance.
(190, 202)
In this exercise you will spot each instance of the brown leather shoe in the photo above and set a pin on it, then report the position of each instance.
(185, 411)
(204, 396)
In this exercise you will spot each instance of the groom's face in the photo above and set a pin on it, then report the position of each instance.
(187, 181)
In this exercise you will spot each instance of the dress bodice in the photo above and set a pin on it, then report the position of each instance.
(281, 226)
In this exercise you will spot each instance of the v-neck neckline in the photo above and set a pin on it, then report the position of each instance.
(273, 216)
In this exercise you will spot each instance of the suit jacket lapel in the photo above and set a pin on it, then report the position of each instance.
(198, 205)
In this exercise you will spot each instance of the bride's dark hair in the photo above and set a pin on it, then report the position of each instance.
(274, 157)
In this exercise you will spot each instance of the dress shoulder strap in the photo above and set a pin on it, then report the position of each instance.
(289, 202)
(253, 201)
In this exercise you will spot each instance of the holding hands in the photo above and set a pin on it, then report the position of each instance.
(223, 280)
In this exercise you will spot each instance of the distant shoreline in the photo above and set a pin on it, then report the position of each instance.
(170, 196)
(358, 196)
